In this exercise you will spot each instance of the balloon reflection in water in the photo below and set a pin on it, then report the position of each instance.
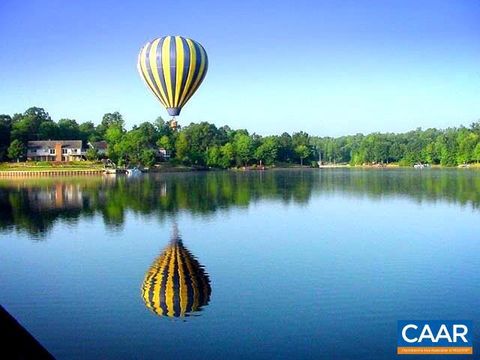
(176, 284)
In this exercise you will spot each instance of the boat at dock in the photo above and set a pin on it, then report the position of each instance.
(133, 172)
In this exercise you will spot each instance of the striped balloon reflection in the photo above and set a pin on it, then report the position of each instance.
(176, 284)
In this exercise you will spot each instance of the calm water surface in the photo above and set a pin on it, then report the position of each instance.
(275, 264)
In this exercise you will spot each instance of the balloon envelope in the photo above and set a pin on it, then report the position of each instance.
(173, 67)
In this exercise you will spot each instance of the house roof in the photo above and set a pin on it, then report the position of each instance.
(99, 145)
(51, 143)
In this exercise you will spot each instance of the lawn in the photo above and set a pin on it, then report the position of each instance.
(50, 165)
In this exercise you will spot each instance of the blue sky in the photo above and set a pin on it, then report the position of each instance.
(326, 67)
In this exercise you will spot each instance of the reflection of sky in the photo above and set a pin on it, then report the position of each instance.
(326, 67)
(328, 277)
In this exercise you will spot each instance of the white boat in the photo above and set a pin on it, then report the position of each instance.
(421, 166)
(133, 172)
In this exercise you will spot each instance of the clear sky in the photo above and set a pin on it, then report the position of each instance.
(326, 67)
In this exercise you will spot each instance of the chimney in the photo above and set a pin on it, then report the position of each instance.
(58, 151)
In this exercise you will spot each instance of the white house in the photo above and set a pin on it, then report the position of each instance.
(55, 150)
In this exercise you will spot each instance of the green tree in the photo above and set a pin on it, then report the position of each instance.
(26, 126)
(88, 133)
(476, 153)
(447, 147)
(68, 129)
(285, 147)
(300, 138)
(267, 151)
(181, 147)
(5, 129)
(213, 156)
(243, 148)
(466, 144)
(165, 142)
(48, 130)
(91, 154)
(200, 137)
(16, 150)
(227, 155)
(114, 136)
(303, 152)
(147, 157)
(114, 118)
(147, 134)
(108, 120)
(475, 127)
(163, 127)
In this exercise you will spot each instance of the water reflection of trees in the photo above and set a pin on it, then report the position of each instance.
(34, 205)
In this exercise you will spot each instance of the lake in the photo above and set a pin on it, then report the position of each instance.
(240, 265)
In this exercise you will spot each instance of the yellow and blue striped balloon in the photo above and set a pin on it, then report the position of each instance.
(173, 67)
(176, 284)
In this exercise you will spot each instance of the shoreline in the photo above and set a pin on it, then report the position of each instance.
(32, 171)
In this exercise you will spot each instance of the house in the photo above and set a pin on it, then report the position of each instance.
(55, 150)
(163, 154)
(100, 146)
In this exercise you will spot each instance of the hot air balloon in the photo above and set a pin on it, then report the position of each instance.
(173, 67)
(176, 284)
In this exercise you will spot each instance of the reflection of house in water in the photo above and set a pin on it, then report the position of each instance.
(176, 284)
(163, 188)
(59, 195)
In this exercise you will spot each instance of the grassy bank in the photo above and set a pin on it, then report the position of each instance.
(49, 165)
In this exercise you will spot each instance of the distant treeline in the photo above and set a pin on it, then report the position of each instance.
(204, 144)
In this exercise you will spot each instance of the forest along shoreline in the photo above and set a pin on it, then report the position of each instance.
(33, 142)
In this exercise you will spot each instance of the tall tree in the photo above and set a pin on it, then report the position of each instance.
(68, 129)
(5, 129)
(285, 147)
(267, 151)
(48, 130)
(16, 150)
(476, 153)
(243, 148)
(227, 155)
(88, 132)
(181, 147)
(303, 152)
(26, 126)
(110, 119)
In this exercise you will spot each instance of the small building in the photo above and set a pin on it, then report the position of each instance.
(100, 146)
(55, 150)
(164, 154)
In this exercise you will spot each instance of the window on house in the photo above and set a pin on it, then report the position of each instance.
(64, 151)
(52, 151)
